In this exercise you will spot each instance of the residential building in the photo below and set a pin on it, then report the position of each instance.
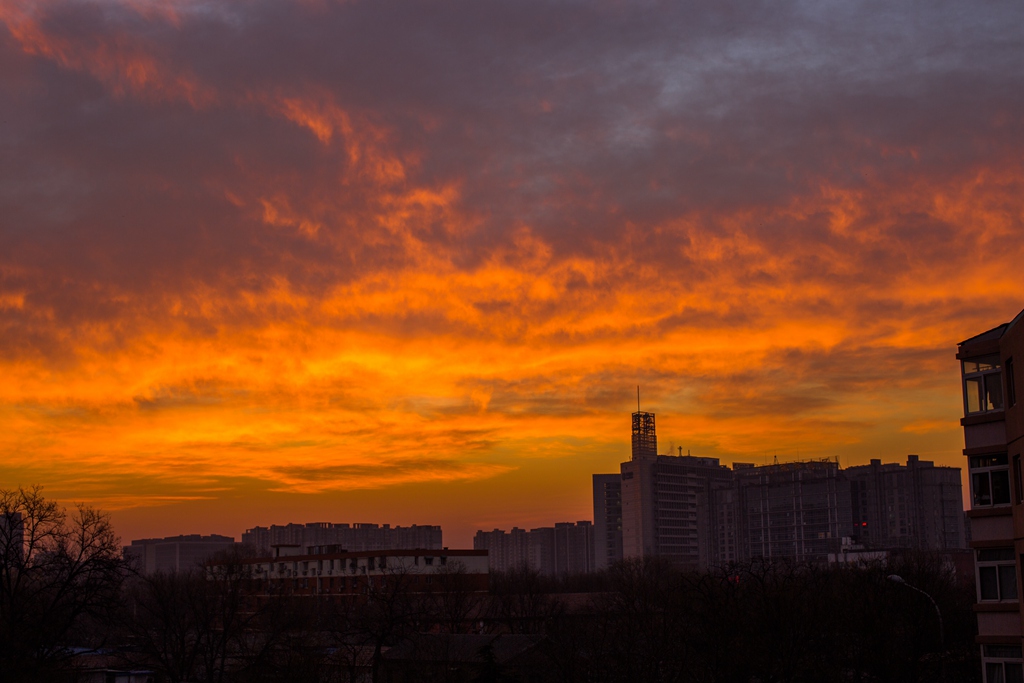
(698, 513)
(565, 548)
(607, 520)
(329, 570)
(917, 506)
(174, 553)
(993, 425)
(354, 537)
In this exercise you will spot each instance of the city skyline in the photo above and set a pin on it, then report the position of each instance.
(367, 262)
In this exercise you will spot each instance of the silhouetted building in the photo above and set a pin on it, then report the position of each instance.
(329, 570)
(174, 553)
(607, 520)
(993, 425)
(917, 506)
(796, 511)
(354, 537)
(659, 505)
(698, 513)
(566, 548)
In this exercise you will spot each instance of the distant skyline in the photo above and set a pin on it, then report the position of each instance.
(387, 262)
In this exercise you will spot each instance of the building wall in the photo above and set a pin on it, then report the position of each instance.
(174, 553)
(355, 574)
(992, 445)
(607, 520)
(352, 537)
(567, 547)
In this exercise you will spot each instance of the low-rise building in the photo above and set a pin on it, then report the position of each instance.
(174, 553)
(329, 570)
(353, 537)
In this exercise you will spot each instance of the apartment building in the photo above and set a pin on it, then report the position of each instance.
(698, 513)
(993, 425)
(565, 548)
(607, 520)
(174, 553)
(352, 537)
(331, 571)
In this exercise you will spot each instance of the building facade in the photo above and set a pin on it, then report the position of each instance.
(565, 548)
(607, 520)
(993, 425)
(698, 513)
(917, 506)
(352, 537)
(328, 570)
(174, 553)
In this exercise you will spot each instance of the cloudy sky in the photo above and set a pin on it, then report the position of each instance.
(407, 262)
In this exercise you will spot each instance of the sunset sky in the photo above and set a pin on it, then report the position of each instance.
(407, 262)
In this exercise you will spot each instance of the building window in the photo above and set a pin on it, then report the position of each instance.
(1018, 485)
(1011, 384)
(990, 480)
(1002, 664)
(983, 384)
(997, 574)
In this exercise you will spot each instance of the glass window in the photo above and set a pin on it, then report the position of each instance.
(994, 391)
(982, 364)
(983, 384)
(1011, 384)
(1018, 485)
(997, 574)
(990, 480)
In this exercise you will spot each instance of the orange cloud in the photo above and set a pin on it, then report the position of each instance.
(241, 276)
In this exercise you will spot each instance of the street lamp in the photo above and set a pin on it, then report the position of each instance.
(896, 578)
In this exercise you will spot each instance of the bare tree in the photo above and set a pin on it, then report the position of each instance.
(56, 569)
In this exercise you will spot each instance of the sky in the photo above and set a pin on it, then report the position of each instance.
(407, 262)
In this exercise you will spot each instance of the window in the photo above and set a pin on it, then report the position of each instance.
(983, 384)
(990, 480)
(1003, 664)
(997, 574)
(1011, 384)
(1018, 485)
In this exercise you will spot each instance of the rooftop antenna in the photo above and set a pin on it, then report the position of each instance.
(638, 398)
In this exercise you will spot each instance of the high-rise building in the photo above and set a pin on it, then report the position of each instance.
(353, 538)
(698, 513)
(174, 553)
(993, 425)
(917, 506)
(796, 511)
(607, 519)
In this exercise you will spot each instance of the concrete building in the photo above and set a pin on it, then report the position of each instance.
(328, 570)
(565, 548)
(993, 425)
(607, 520)
(917, 506)
(659, 505)
(797, 511)
(698, 513)
(174, 553)
(354, 537)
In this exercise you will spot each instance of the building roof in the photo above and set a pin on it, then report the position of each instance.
(995, 333)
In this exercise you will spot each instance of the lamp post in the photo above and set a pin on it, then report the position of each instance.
(896, 578)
